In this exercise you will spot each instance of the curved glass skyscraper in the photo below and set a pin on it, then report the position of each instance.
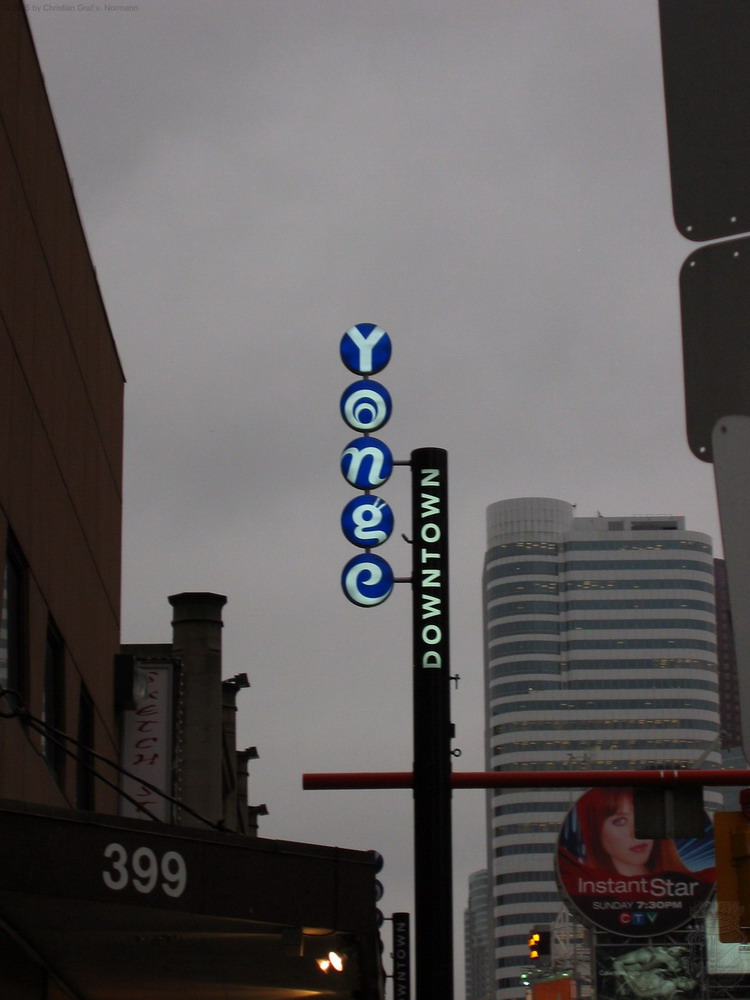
(600, 653)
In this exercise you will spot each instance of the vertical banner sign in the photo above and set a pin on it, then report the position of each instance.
(401, 957)
(146, 749)
(366, 463)
(432, 727)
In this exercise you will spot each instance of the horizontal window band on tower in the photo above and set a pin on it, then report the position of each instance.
(541, 726)
(658, 762)
(525, 646)
(544, 587)
(528, 667)
(638, 545)
(513, 898)
(511, 878)
(610, 668)
(621, 752)
(510, 549)
(640, 604)
(636, 584)
(510, 609)
(615, 644)
(580, 565)
(618, 624)
(512, 849)
(525, 567)
(517, 687)
(496, 591)
(505, 610)
(660, 663)
(513, 919)
(531, 564)
(538, 826)
(611, 686)
(519, 627)
(533, 625)
(499, 648)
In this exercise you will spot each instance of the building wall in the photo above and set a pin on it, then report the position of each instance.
(476, 939)
(600, 648)
(729, 692)
(61, 407)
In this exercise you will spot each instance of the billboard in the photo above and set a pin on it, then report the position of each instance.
(664, 969)
(625, 884)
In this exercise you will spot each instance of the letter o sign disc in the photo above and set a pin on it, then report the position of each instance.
(366, 406)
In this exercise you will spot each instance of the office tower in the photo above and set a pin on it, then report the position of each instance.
(729, 692)
(732, 753)
(600, 653)
(476, 939)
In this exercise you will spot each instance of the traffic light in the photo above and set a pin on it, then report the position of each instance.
(539, 944)
(378, 859)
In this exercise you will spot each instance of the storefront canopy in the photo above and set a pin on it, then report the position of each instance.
(117, 909)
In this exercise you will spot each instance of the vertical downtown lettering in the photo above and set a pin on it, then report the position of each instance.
(431, 583)
(401, 957)
(433, 731)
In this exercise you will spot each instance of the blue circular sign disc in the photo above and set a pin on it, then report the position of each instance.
(365, 349)
(367, 580)
(366, 463)
(367, 521)
(366, 406)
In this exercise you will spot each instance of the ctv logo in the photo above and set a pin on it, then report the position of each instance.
(366, 463)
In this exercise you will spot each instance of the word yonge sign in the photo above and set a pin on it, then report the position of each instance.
(366, 463)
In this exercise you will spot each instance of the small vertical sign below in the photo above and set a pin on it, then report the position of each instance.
(401, 957)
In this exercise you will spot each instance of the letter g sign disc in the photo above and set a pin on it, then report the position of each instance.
(367, 580)
(367, 521)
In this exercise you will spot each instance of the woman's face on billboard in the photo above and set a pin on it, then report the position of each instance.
(629, 855)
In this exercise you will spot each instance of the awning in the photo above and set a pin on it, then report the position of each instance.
(118, 909)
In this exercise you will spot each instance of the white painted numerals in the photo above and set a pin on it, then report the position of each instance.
(144, 871)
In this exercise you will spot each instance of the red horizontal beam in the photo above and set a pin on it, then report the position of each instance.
(530, 779)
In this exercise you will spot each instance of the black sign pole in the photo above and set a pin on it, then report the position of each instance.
(401, 957)
(433, 888)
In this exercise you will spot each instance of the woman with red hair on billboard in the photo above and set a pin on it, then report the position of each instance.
(607, 832)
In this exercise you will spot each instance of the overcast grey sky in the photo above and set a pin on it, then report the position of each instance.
(486, 180)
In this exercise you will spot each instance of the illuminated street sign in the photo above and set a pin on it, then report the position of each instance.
(366, 406)
(365, 349)
(367, 580)
(366, 463)
(367, 521)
